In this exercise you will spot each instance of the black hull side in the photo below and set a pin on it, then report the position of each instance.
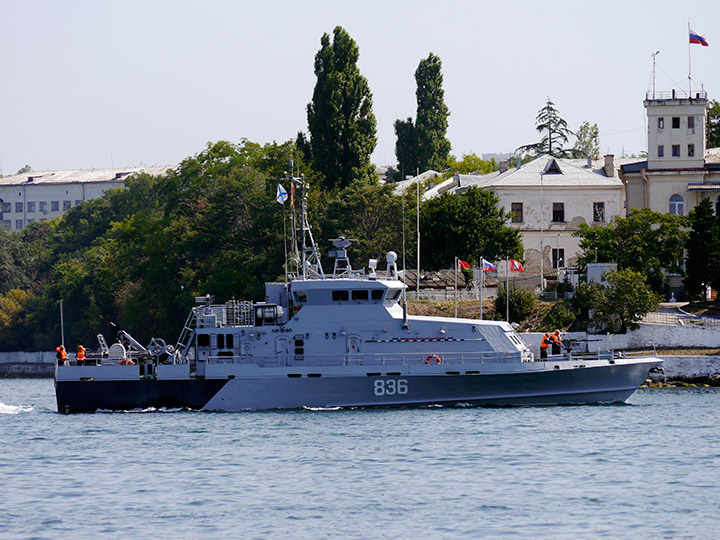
(90, 396)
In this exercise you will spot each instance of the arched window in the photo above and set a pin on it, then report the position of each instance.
(677, 205)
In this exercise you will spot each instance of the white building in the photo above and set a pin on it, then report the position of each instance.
(38, 196)
(548, 198)
(679, 171)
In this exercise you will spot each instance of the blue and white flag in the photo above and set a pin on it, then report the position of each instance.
(281, 195)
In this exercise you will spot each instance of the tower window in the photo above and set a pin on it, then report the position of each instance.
(691, 150)
(676, 122)
(661, 150)
(558, 212)
(675, 150)
(691, 122)
(661, 123)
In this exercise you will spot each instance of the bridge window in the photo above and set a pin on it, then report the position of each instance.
(203, 340)
(229, 341)
(221, 341)
(377, 294)
(360, 295)
(340, 296)
(394, 294)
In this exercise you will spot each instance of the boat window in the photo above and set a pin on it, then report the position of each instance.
(203, 340)
(229, 341)
(394, 294)
(221, 341)
(300, 296)
(360, 295)
(340, 296)
(377, 294)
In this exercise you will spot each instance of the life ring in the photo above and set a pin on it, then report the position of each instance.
(433, 357)
(126, 362)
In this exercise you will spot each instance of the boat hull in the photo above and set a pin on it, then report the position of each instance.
(237, 388)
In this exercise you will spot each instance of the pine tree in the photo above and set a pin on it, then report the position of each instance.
(340, 116)
(556, 133)
(424, 144)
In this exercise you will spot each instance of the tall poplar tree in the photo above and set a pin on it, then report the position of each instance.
(703, 250)
(340, 116)
(423, 144)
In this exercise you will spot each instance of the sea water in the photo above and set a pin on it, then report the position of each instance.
(645, 469)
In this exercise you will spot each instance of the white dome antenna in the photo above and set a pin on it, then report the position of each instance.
(391, 258)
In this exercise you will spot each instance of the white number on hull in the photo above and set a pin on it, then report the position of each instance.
(390, 387)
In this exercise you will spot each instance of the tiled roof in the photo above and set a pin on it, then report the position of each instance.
(539, 171)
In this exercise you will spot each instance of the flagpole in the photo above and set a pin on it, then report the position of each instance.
(456, 271)
(482, 278)
(507, 290)
(689, 64)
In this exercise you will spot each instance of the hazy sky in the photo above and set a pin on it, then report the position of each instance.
(126, 83)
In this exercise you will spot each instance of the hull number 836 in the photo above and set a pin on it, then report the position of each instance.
(390, 387)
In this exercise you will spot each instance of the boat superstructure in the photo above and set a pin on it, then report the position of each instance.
(337, 340)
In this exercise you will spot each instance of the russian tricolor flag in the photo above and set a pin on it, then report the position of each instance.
(488, 266)
(698, 38)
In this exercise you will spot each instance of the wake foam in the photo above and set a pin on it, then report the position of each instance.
(14, 409)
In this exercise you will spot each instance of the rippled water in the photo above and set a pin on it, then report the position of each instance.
(647, 469)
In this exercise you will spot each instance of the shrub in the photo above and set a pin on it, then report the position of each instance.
(522, 303)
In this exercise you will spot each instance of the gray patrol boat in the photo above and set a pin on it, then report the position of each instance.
(328, 341)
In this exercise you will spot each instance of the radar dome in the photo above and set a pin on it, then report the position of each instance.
(391, 257)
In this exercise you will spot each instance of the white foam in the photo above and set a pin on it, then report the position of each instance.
(13, 409)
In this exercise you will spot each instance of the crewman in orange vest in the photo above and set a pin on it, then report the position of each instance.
(544, 346)
(556, 342)
(61, 355)
(80, 357)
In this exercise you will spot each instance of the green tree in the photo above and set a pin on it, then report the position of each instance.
(470, 225)
(645, 241)
(17, 265)
(556, 133)
(431, 121)
(621, 304)
(713, 120)
(470, 164)
(703, 250)
(406, 148)
(340, 116)
(522, 303)
(423, 144)
(24, 169)
(587, 144)
(370, 213)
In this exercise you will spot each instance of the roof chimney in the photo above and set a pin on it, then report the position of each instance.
(503, 166)
(609, 166)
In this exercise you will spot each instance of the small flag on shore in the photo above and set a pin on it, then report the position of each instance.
(699, 39)
(516, 266)
(488, 266)
(463, 265)
(281, 195)
(292, 195)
